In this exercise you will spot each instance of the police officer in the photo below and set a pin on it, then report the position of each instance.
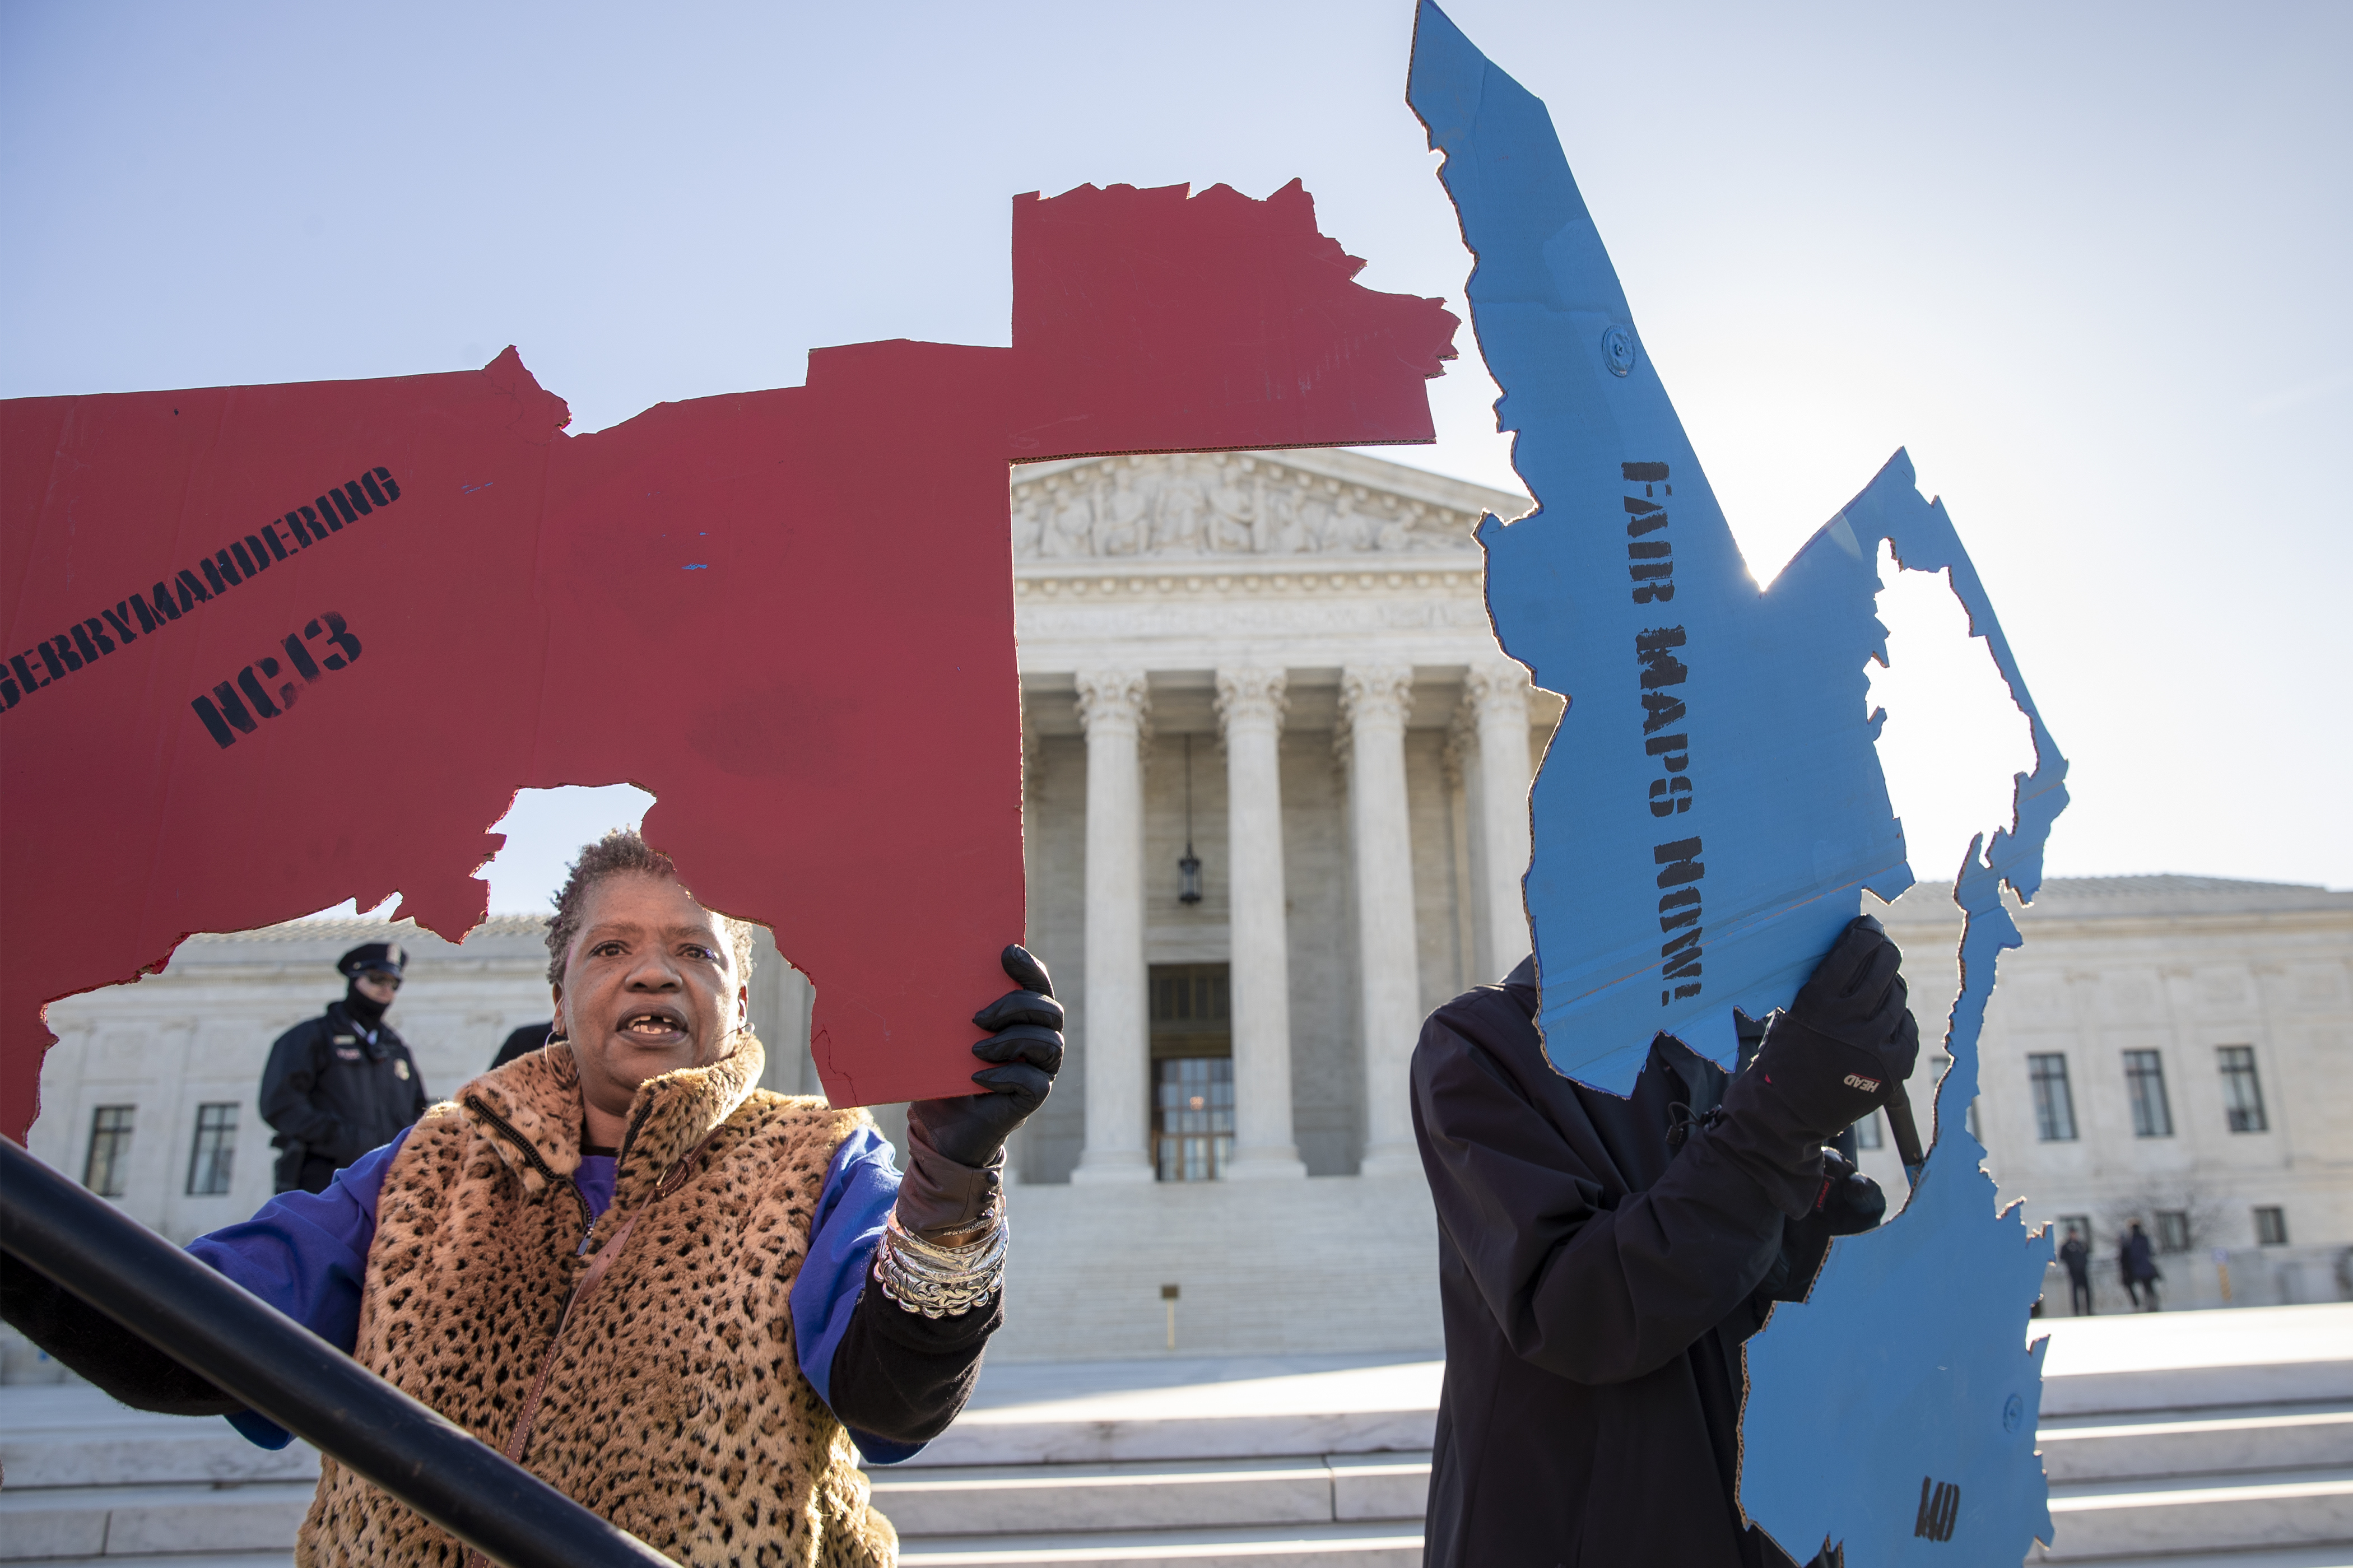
(341, 1085)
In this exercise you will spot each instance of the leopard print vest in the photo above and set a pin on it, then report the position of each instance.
(674, 1405)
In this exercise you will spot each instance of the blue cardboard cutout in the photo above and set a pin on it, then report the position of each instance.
(1706, 820)
(1711, 807)
(1894, 1410)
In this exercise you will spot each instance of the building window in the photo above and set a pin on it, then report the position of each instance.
(1192, 1118)
(2076, 1225)
(2172, 1230)
(1867, 1134)
(210, 1160)
(109, 1165)
(1192, 1072)
(2242, 1092)
(2144, 1079)
(2054, 1104)
(2271, 1228)
(1189, 999)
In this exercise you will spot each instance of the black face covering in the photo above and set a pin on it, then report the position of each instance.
(365, 1009)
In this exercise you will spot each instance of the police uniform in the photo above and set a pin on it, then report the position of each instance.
(342, 1084)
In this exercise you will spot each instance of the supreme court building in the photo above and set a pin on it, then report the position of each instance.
(1276, 776)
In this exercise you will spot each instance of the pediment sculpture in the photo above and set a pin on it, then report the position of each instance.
(1221, 504)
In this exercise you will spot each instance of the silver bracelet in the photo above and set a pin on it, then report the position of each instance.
(938, 1282)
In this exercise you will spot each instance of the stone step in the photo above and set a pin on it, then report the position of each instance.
(2338, 1555)
(1266, 1546)
(2214, 1433)
(37, 1522)
(186, 1452)
(2196, 1442)
(1028, 1499)
(1240, 1407)
(2200, 1514)
(71, 1435)
(2184, 1361)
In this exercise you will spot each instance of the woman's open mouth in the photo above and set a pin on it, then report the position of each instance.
(655, 1027)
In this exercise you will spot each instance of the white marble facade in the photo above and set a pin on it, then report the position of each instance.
(2200, 1032)
(1311, 627)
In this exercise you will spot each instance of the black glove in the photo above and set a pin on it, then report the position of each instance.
(1847, 1040)
(1846, 1203)
(956, 1147)
(1852, 1201)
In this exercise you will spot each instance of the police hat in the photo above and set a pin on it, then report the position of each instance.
(374, 955)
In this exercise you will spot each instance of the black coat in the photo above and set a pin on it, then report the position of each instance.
(521, 1043)
(334, 1094)
(1597, 1279)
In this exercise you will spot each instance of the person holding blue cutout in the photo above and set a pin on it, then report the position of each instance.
(1602, 1259)
(688, 1302)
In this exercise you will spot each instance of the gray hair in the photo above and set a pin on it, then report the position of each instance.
(621, 852)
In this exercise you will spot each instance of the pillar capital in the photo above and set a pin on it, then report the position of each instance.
(1376, 694)
(1115, 697)
(1497, 687)
(1249, 696)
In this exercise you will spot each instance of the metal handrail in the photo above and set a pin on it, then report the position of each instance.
(277, 1368)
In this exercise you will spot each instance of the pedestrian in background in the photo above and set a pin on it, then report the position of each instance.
(2076, 1254)
(2136, 1266)
(342, 1083)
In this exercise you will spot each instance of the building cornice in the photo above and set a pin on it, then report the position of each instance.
(1227, 577)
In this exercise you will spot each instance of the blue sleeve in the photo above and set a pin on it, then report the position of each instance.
(861, 1186)
(306, 1255)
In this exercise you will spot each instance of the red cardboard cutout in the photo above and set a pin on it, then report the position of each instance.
(269, 648)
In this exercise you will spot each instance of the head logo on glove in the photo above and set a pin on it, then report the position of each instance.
(1868, 1085)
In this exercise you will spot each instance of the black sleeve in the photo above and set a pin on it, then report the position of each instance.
(101, 1350)
(902, 1376)
(286, 1087)
(1790, 1277)
(1594, 1293)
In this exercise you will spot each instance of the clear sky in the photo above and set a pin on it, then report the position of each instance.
(2087, 262)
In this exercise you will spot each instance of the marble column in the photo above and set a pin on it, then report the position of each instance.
(1497, 696)
(1373, 704)
(1112, 705)
(1250, 706)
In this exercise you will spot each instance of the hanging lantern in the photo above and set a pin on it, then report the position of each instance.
(1188, 870)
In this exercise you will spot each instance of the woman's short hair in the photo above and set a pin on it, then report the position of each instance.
(620, 852)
